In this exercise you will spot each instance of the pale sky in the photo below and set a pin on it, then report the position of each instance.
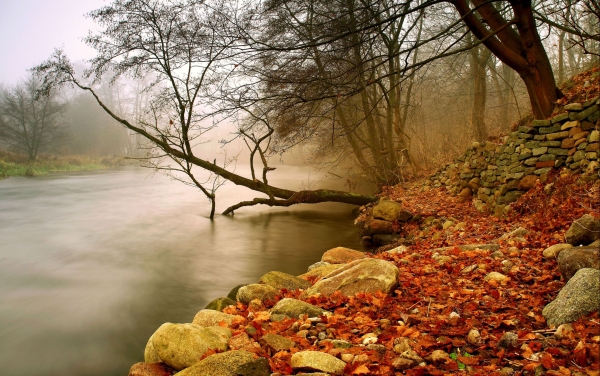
(30, 30)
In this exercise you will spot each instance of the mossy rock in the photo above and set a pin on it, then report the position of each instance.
(233, 293)
(280, 280)
(221, 303)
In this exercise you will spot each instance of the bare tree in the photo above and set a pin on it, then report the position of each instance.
(188, 47)
(30, 122)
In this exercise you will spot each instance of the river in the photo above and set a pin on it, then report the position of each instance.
(92, 263)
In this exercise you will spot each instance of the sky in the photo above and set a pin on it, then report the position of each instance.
(30, 30)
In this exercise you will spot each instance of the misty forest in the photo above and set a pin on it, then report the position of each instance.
(449, 151)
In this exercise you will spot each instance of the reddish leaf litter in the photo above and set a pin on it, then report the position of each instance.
(580, 88)
(435, 306)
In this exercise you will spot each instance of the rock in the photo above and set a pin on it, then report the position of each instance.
(509, 197)
(342, 255)
(151, 369)
(276, 342)
(317, 361)
(402, 363)
(387, 210)
(321, 271)
(398, 250)
(518, 233)
(412, 355)
(465, 193)
(340, 344)
(181, 345)
(243, 342)
(224, 364)
(209, 317)
(384, 239)
(378, 226)
(402, 344)
(499, 277)
(438, 357)
(258, 367)
(405, 216)
(553, 251)
(474, 337)
(571, 260)
(294, 308)
(563, 331)
(447, 225)
(584, 231)
(317, 264)
(256, 291)
(220, 304)
(233, 293)
(280, 280)
(150, 354)
(579, 297)
(508, 340)
(366, 275)
(573, 107)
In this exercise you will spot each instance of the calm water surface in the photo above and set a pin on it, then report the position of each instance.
(92, 263)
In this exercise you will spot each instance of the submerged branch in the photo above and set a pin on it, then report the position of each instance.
(307, 197)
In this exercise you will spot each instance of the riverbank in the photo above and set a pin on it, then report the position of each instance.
(468, 292)
(12, 164)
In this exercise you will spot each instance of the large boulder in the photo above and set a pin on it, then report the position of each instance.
(182, 345)
(583, 231)
(342, 255)
(553, 251)
(230, 363)
(366, 275)
(294, 308)
(321, 271)
(151, 369)
(387, 210)
(150, 354)
(317, 361)
(220, 304)
(570, 260)
(579, 297)
(248, 293)
(281, 280)
(209, 317)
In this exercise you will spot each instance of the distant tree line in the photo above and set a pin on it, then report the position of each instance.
(64, 122)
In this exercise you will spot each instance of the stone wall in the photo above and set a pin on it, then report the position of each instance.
(498, 174)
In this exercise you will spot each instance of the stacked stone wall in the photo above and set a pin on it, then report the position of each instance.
(498, 174)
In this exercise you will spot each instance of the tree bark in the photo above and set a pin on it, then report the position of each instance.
(520, 49)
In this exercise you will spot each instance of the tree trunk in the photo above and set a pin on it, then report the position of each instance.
(520, 49)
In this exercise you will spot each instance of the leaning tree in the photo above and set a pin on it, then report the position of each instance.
(189, 47)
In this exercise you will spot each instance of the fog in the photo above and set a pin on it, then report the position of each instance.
(31, 29)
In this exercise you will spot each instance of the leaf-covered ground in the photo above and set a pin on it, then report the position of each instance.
(437, 305)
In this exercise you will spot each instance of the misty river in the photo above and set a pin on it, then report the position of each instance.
(92, 263)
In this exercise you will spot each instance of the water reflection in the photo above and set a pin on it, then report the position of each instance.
(91, 264)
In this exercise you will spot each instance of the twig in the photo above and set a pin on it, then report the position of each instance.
(428, 307)
(576, 365)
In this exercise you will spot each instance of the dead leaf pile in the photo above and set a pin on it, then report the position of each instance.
(446, 318)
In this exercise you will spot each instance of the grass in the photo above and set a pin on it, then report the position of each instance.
(12, 164)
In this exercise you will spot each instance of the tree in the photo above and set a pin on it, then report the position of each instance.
(31, 122)
(188, 47)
